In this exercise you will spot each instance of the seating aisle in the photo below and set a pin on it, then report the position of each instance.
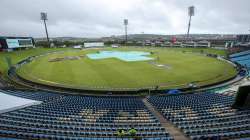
(174, 131)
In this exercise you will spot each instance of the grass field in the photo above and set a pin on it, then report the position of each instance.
(184, 66)
(21, 54)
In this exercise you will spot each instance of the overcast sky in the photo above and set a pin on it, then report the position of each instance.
(97, 18)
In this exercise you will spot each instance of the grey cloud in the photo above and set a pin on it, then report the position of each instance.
(95, 18)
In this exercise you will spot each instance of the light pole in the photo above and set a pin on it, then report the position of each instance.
(143, 41)
(190, 14)
(44, 18)
(126, 30)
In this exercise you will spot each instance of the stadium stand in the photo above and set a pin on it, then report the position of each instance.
(205, 115)
(240, 54)
(80, 117)
(242, 58)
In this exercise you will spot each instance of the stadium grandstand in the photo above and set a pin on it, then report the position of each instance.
(243, 40)
(201, 113)
(242, 58)
(76, 84)
(241, 44)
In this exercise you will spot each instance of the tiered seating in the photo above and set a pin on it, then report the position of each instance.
(38, 95)
(240, 54)
(241, 58)
(206, 115)
(80, 117)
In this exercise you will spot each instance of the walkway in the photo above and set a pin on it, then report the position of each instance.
(175, 132)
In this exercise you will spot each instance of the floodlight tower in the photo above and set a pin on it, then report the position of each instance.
(44, 18)
(126, 29)
(190, 14)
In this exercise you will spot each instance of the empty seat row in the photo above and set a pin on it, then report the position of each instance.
(205, 115)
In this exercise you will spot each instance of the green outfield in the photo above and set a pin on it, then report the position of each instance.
(21, 54)
(172, 68)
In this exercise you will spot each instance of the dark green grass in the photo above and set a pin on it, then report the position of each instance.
(113, 73)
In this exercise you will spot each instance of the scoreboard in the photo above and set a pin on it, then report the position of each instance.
(19, 43)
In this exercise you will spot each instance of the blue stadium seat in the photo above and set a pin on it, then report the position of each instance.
(78, 117)
(205, 115)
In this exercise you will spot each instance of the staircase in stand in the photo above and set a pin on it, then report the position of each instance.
(175, 132)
